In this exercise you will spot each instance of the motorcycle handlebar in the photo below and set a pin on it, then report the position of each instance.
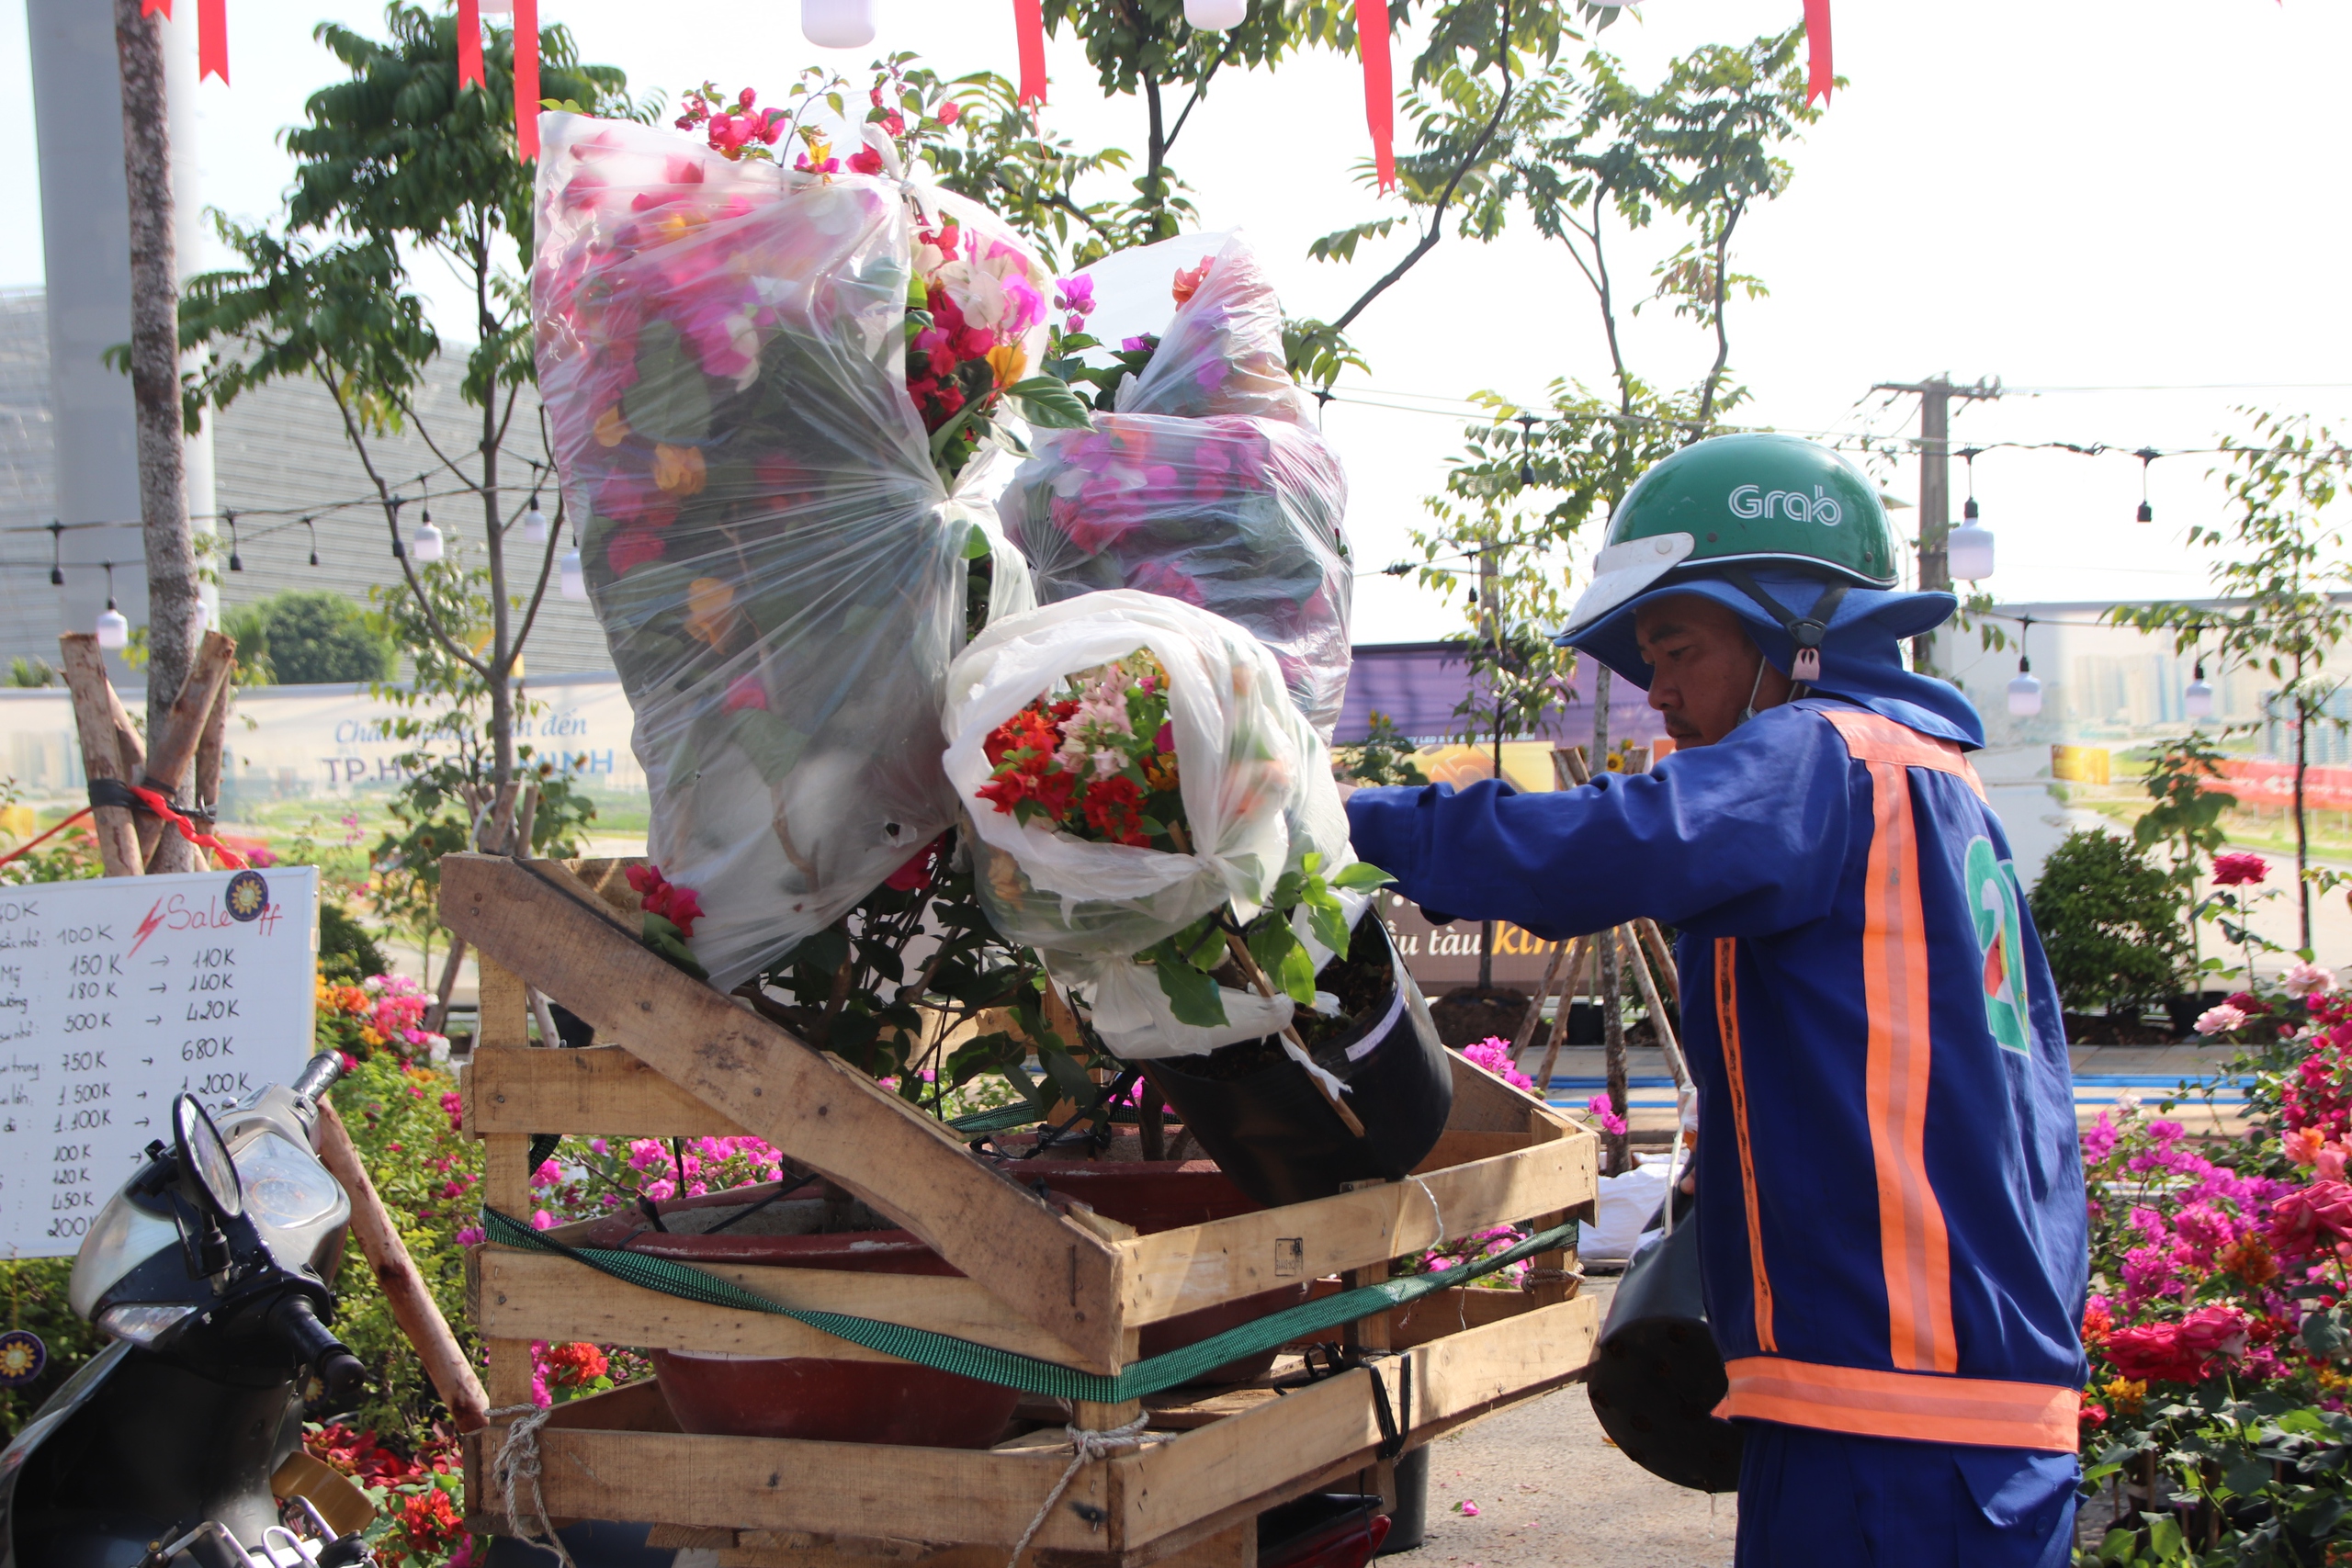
(323, 1073)
(298, 1328)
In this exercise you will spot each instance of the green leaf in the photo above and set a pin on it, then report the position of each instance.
(1192, 994)
(1330, 924)
(2324, 1332)
(1297, 979)
(1275, 946)
(1047, 402)
(2120, 1546)
(1067, 1076)
(1359, 874)
(976, 543)
(2165, 1541)
(670, 942)
(2247, 1478)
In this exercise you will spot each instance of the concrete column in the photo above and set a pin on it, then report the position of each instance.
(86, 250)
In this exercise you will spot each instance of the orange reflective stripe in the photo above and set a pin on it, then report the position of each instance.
(1914, 1248)
(1979, 1411)
(1727, 1024)
(1870, 738)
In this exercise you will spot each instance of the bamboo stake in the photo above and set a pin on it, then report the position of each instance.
(1535, 1009)
(85, 681)
(1668, 974)
(1658, 1020)
(1560, 1019)
(413, 1305)
(440, 1013)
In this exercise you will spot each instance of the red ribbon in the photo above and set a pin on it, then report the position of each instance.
(1818, 71)
(527, 78)
(470, 45)
(30, 845)
(1029, 23)
(1379, 88)
(163, 809)
(211, 39)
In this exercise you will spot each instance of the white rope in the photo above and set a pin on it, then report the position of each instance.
(1085, 1448)
(1435, 1213)
(518, 1461)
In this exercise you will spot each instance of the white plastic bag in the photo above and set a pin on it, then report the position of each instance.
(1211, 483)
(1254, 778)
(780, 574)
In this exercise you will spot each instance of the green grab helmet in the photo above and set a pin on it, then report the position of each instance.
(1732, 502)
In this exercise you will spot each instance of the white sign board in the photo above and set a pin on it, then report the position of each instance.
(117, 994)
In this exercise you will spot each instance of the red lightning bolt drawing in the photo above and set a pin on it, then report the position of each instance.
(147, 927)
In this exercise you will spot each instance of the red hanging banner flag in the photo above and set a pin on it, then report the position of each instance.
(470, 45)
(527, 78)
(1029, 22)
(148, 7)
(211, 39)
(1818, 71)
(1379, 88)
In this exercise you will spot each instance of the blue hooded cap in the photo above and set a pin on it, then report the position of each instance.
(1861, 652)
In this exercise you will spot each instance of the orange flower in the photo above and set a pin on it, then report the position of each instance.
(710, 610)
(679, 469)
(1009, 362)
(612, 429)
(1189, 283)
(2249, 1259)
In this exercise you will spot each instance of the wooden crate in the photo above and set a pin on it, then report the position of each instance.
(679, 1060)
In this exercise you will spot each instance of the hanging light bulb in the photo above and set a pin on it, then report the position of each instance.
(1215, 15)
(236, 562)
(2146, 455)
(313, 528)
(2025, 691)
(535, 523)
(56, 569)
(114, 631)
(1968, 549)
(1526, 462)
(2197, 702)
(575, 578)
(427, 541)
(837, 24)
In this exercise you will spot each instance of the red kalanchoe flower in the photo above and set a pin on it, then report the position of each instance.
(1113, 806)
(2235, 868)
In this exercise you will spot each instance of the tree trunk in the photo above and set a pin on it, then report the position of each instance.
(174, 612)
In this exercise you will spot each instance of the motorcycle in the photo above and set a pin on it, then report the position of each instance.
(180, 1444)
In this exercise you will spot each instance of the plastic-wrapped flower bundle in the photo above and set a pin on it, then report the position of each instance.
(773, 490)
(1134, 766)
(1209, 483)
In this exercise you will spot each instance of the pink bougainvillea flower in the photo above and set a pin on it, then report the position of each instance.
(1605, 1114)
(865, 161)
(2235, 868)
(949, 112)
(2303, 1146)
(2329, 1162)
(632, 547)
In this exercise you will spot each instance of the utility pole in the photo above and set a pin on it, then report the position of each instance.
(1936, 394)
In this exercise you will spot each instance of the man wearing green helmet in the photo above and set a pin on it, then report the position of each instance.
(1890, 1217)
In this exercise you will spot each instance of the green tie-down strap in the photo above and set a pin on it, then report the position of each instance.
(1008, 1369)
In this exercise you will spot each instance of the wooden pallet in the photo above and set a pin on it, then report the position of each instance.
(678, 1059)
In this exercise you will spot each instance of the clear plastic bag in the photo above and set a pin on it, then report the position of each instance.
(1210, 484)
(1255, 779)
(781, 575)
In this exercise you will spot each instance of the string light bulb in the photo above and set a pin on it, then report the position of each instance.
(56, 569)
(1968, 549)
(2025, 691)
(535, 522)
(426, 542)
(837, 24)
(574, 574)
(114, 630)
(236, 562)
(2146, 455)
(313, 528)
(2197, 702)
(1526, 459)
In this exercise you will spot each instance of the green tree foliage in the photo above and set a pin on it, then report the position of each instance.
(2279, 579)
(1383, 757)
(393, 164)
(32, 673)
(2109, 923)
(347, 954)
(307, 638)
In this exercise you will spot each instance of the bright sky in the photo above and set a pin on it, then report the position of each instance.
(2085, 201)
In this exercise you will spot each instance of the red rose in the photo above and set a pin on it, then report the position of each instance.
(2299, 1220)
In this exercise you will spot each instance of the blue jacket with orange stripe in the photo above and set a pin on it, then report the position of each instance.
(1890, 1191)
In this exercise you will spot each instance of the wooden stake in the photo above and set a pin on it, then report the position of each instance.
(171, 755)
(1535, 1009)
(1560, 1020)
(1650, 999)
(210, 750)
(1257, 977)
(413, 1305)
(439, 1015)
(94, 710)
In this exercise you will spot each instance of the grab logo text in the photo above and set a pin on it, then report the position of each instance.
(1754, 500)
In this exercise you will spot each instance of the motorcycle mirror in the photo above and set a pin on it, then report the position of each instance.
(204, 1158)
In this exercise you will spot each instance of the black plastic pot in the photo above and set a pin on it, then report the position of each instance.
(1410, 1523)
(1276, 1138)
(1657, 1375)
(2185, 1010)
